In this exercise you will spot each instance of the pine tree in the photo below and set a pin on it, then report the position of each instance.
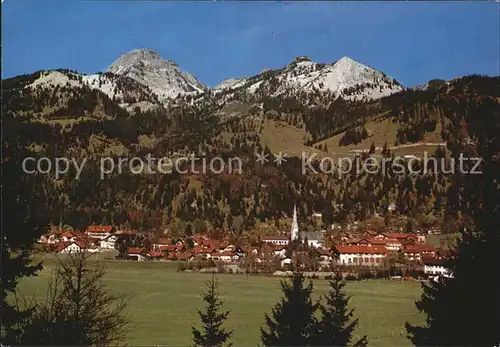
(78, 310)
(464, 310)
(22, 223)
(335, 326)
(292, 321)
(372, 148)
(212, 334)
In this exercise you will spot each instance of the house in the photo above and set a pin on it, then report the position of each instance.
(368, 241)
(276, 240)
(99, 231)
(67, 237)
(161, 242)
(286, 262)
(393, 244)
(202, 252)
(70, 247)
(155, 255)
(435, 267)
(226, 257)
(352, 255)
(404, 238)
(314, 238)
(109, 242)
(325, 256)
(279, 251)
(182, 256)
(418, 251)
(49, 239)
(441, 253)
(169, 249)
(136, 253)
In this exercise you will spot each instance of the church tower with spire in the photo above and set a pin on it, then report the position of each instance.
(294, 235)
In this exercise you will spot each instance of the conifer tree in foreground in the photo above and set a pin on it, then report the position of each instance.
(23, 221)
(212, 333)
(335, 326)
(292, 321)
(78, 310)
(464, 310)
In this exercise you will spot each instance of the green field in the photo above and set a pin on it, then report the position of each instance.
(165, 301)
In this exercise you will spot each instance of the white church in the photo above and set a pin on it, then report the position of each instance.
(314, 239)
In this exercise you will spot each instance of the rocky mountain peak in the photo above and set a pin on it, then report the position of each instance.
(164, 77)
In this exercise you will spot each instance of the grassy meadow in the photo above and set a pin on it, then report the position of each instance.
(164, 303)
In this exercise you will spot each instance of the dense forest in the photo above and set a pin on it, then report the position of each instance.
(81, 122)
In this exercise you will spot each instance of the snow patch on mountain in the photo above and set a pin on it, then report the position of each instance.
(163, 77)
(345, 78)
(230, 83)
(126, 92)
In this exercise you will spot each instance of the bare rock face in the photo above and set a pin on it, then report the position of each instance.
(163, 77)
(345, 78)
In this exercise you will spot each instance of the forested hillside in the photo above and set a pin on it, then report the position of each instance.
(77, 120)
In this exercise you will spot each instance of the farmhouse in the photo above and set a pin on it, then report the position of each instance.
(67, 236)
(108, 243)
(136, 253)
(418, 251)
(70, 247)
(99, 231)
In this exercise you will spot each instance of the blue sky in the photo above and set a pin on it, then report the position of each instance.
(410, 41)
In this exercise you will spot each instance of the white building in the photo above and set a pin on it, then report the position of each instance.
(351, 255)
(314, 239)
(286, 261)
(99, 231)
(109, 242)
(69, 247)
(434, 267)
(276, 240)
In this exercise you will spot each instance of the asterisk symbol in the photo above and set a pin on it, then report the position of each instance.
(280, 158)
(262, 157)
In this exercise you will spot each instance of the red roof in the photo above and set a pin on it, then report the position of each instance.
(183, 256)
(199, 250)
(392, 240)
(322, 251)
(62, 245)
(399, 236)
(100, 229)
(418, 248)
(169, 248)
(163, 241)
(135, 250)
(210, 243)
(156, 254)
(197, 239)
(344, 249)
(372, 241)
(67, 235)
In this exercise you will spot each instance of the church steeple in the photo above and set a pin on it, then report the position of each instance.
(294, 235)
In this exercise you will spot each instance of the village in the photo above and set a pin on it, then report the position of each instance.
(379, 254)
